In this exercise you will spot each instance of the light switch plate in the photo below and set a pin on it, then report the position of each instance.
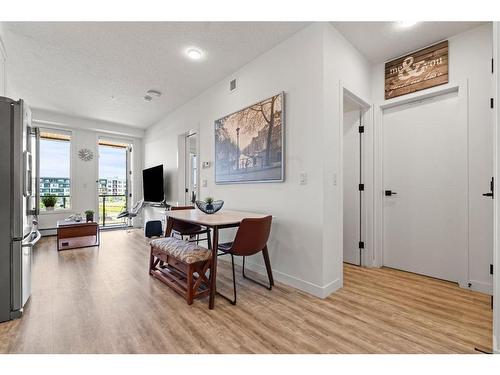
(204, 183)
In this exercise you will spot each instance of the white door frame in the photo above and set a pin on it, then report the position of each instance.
(182, 167)
(496, 202)
(345, 91)
(129, 168)
(462, 88)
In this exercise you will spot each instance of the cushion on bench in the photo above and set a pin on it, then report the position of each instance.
(187, 252)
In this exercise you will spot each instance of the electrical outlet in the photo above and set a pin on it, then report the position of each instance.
(204, 183)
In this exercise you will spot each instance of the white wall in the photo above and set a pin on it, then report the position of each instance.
(344, 66)
(470, 59)
(85, 134)
(3, 70)
(302, 67)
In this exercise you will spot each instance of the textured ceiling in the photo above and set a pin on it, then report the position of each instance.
(382, 41)
(102, 70)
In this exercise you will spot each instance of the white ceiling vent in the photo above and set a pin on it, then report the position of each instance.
(232, 85)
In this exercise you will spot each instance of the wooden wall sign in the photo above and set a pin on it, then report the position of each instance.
(417, 71)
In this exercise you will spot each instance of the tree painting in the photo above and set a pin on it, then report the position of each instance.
(249, 143)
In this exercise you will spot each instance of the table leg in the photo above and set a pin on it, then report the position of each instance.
(213, 269)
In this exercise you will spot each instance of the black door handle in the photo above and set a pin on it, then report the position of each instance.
(492, 188)
(388, 193)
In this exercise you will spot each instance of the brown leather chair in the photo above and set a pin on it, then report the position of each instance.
(250, 239)
(192, 231)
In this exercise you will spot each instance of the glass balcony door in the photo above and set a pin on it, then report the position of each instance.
(113, 182)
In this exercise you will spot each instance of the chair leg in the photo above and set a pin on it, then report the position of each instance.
(232, 301)
(268, 269)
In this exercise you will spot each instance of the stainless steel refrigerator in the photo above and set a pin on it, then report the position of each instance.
(19, 192)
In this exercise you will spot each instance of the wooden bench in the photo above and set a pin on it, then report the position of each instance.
(182, 265)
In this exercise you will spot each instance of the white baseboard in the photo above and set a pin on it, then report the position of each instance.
(479, 286)
(305, 286)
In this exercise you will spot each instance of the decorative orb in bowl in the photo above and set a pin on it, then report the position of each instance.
(209, 208)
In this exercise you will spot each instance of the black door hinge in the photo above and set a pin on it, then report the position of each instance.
(491, 269)
(361, 245)
(361, 129)
(361, 187)
(492, 65)
(491, 103)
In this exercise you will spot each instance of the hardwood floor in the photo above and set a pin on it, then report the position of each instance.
(102, 300)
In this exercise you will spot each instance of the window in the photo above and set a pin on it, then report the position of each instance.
(55, 171)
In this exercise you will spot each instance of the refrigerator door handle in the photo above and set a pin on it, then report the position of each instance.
(36, 132)
(27, 177)
(34, 239)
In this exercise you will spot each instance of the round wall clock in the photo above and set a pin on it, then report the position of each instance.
(85, 154)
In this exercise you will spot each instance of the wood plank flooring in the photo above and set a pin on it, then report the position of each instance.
(102, 300)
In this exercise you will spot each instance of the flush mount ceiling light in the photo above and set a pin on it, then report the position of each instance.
(194, 53)
(406, 24)
(153, 93)
(150, 94)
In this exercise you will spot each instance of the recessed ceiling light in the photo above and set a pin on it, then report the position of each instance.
(407, 23)
(194, 53)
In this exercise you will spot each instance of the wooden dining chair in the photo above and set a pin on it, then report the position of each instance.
(192, 231)
(251, 238)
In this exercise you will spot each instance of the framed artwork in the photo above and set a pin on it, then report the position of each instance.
(417, 71)
(249, 143)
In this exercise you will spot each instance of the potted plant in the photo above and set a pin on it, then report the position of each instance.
(89, 215)
(209, 201)
(49, 201)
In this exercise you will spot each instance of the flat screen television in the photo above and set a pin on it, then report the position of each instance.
(152, 184)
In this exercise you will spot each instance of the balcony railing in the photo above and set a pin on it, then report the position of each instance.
(109, 207)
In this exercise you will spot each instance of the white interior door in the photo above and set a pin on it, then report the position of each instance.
(425, 223)
(351, 180)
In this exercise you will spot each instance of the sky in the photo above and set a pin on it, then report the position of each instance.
(54, 160)
(112, 162)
